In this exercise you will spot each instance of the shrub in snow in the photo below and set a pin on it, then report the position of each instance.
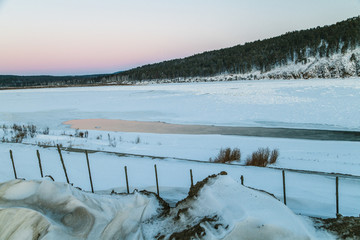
(46, 131)
(274, 156)
(262, 157)
(112, 141)
(227, 155)
(19, 132)
(259, 158)
(80, 134)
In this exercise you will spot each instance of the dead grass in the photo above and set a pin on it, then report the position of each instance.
(227, 155)
(262, 157)
(274, 156)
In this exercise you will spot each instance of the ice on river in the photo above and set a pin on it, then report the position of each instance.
(315, 103)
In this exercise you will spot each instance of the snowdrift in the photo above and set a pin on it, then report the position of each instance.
(216, 208)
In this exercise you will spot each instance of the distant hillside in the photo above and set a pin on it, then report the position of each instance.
(322, 52)
(259, 57)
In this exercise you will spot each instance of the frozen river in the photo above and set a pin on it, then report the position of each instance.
(330, 104)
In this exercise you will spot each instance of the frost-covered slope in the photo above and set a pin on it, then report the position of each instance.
(336, 66)
(339, 65)
(217, 208)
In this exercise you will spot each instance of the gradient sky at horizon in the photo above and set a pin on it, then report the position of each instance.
(63, 37)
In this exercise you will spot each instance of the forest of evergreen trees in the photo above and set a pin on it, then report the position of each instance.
(259, 55)
(262, 55)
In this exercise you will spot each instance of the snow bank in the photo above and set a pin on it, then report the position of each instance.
(216, 208)
(60, 211)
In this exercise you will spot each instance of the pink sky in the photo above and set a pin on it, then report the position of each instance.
(61, 37)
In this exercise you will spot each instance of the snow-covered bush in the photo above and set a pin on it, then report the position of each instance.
(18, 132)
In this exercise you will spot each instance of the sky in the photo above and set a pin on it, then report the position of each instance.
(73, 37)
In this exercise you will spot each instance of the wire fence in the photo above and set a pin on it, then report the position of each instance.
(305, 192)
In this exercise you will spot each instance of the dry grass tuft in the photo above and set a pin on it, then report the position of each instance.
(227, 155)
(262, 157)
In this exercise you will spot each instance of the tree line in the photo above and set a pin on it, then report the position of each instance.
(13, 81)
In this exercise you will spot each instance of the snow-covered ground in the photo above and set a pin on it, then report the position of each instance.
(318, 104)
(312, 195)
(313, 104)
(312, 155)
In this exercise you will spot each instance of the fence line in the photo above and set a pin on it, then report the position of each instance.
(123, 154)
(191, 175)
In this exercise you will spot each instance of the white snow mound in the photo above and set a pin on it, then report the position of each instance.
(217, 208)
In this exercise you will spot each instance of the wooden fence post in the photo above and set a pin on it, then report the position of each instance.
(242, 180)
(157, 182)
(191, 178)
(127, 181)
(284, 186)
(38, 156)
(63, 164)
(13, 164)
(337, 196)
(88, 165)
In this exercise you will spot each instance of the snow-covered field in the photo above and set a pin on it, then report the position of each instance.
(312, 195)
(312, 104)
(316, 103)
